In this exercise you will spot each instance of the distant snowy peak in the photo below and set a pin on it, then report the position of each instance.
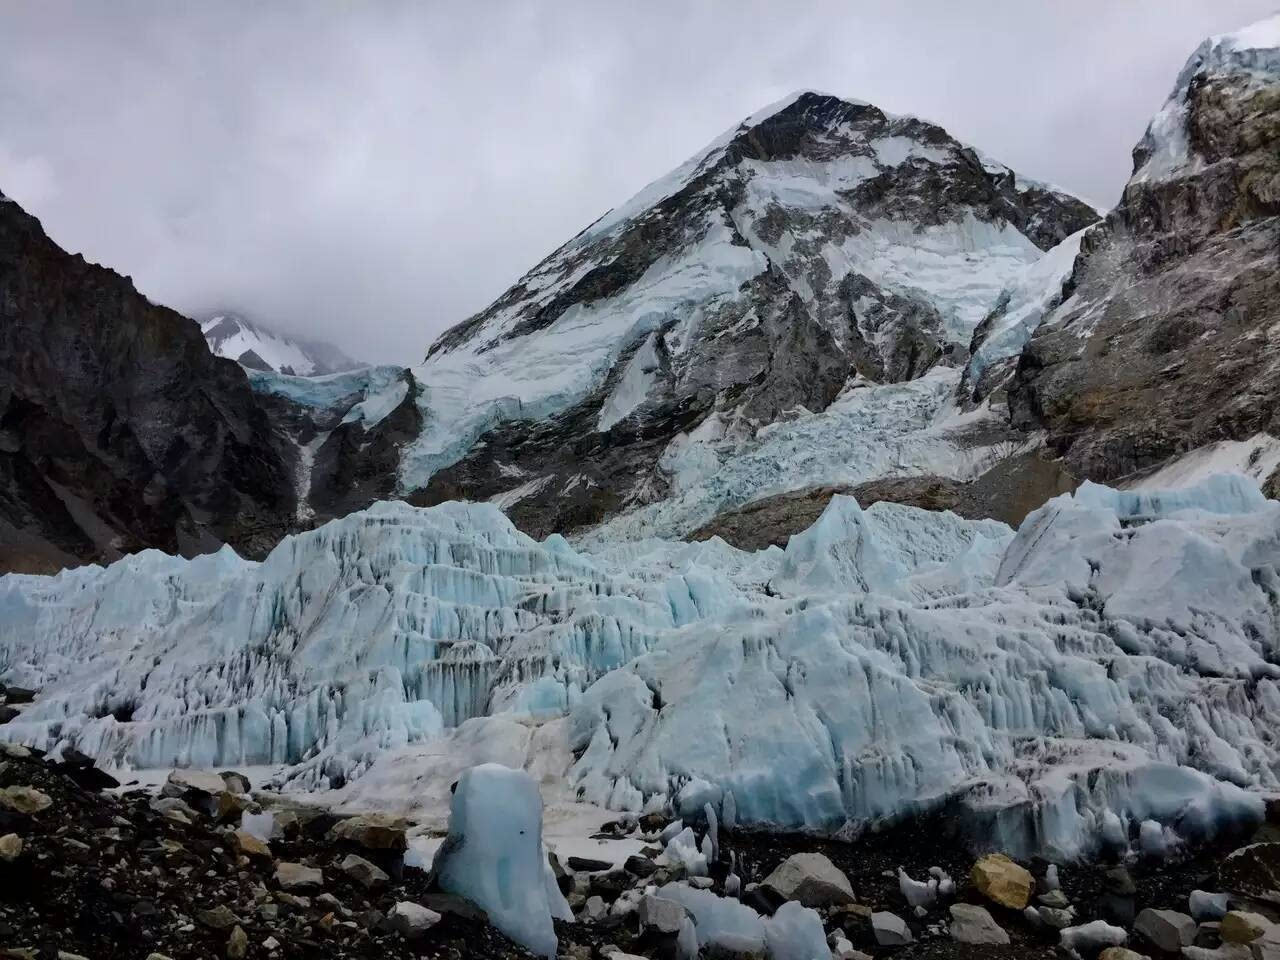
(259, 348)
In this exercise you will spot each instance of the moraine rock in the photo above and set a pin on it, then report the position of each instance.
(1088, 937)
(235, 782)
(1167, 930)
(889, 929)
(973, 924)
(373, 831)
(1002, 881)
(182, 783)
(10, 847)
(363, 872)
(250, 846)
(811, 879)
(24, 800)
(661, 916)
(411, 920)
(297, 876)
(237, 944)
(1253, 871)
(1239, 926)
(1121, 953)
(220, 917)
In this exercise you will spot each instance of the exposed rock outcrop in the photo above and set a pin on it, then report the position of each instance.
(119, 430)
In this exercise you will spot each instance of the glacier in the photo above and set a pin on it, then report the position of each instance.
(1111, 662)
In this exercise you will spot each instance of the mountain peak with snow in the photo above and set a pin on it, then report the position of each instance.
(258, 347)
(819, 242)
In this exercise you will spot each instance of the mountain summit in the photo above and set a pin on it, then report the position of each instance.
(819, 242)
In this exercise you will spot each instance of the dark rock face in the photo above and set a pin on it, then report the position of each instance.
(823, 193)
(118, 429)
(349, 465)
(1167, 338)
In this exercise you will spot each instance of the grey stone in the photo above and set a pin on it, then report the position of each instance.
(296, 876)
(1168, 930)
(661, 915)
(974, 924)
(411, 920)
(890, 930)
(811, 879)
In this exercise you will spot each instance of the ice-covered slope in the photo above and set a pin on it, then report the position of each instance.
(817, 243)
(255, 346)
(1113, 662)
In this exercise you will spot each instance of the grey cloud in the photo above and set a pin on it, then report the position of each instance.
(371, 173)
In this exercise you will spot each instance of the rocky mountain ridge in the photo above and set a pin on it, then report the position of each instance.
(119, 430)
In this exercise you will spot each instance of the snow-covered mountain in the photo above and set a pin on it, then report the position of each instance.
(257, 347)
(1113, 663)
(820, 246)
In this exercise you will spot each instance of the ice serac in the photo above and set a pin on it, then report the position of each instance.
(493, 855)
(119, 430)
(818, 244)
(1111, 663)
(1165, 345)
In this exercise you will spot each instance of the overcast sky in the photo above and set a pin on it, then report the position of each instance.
(374, 172)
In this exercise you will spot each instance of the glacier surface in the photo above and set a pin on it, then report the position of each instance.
(1112, 662)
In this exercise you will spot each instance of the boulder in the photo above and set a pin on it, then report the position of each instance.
(1121, 953)
(1002, 881)
(1253, 871)
(182, 782)
(235, 782)
(973, 924)
(10, 847)
(373, 831)
(363, 872)
(889, 929)
(1088, 937)
(661, 916)
(1241, 927)
(1168, 930)
(811, 879)
(218, 918)
(1118, 880)
(24, 800)
(237, 944)
(296, 876)
(1056, 917)
(248, 845)
(588, 865)
(411, 920)
(640, 866)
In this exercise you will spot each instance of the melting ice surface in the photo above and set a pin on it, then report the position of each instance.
(1112, 662)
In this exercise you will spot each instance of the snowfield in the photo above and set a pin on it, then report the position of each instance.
(1112, 662)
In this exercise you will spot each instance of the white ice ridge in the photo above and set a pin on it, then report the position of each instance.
(1111, 663)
